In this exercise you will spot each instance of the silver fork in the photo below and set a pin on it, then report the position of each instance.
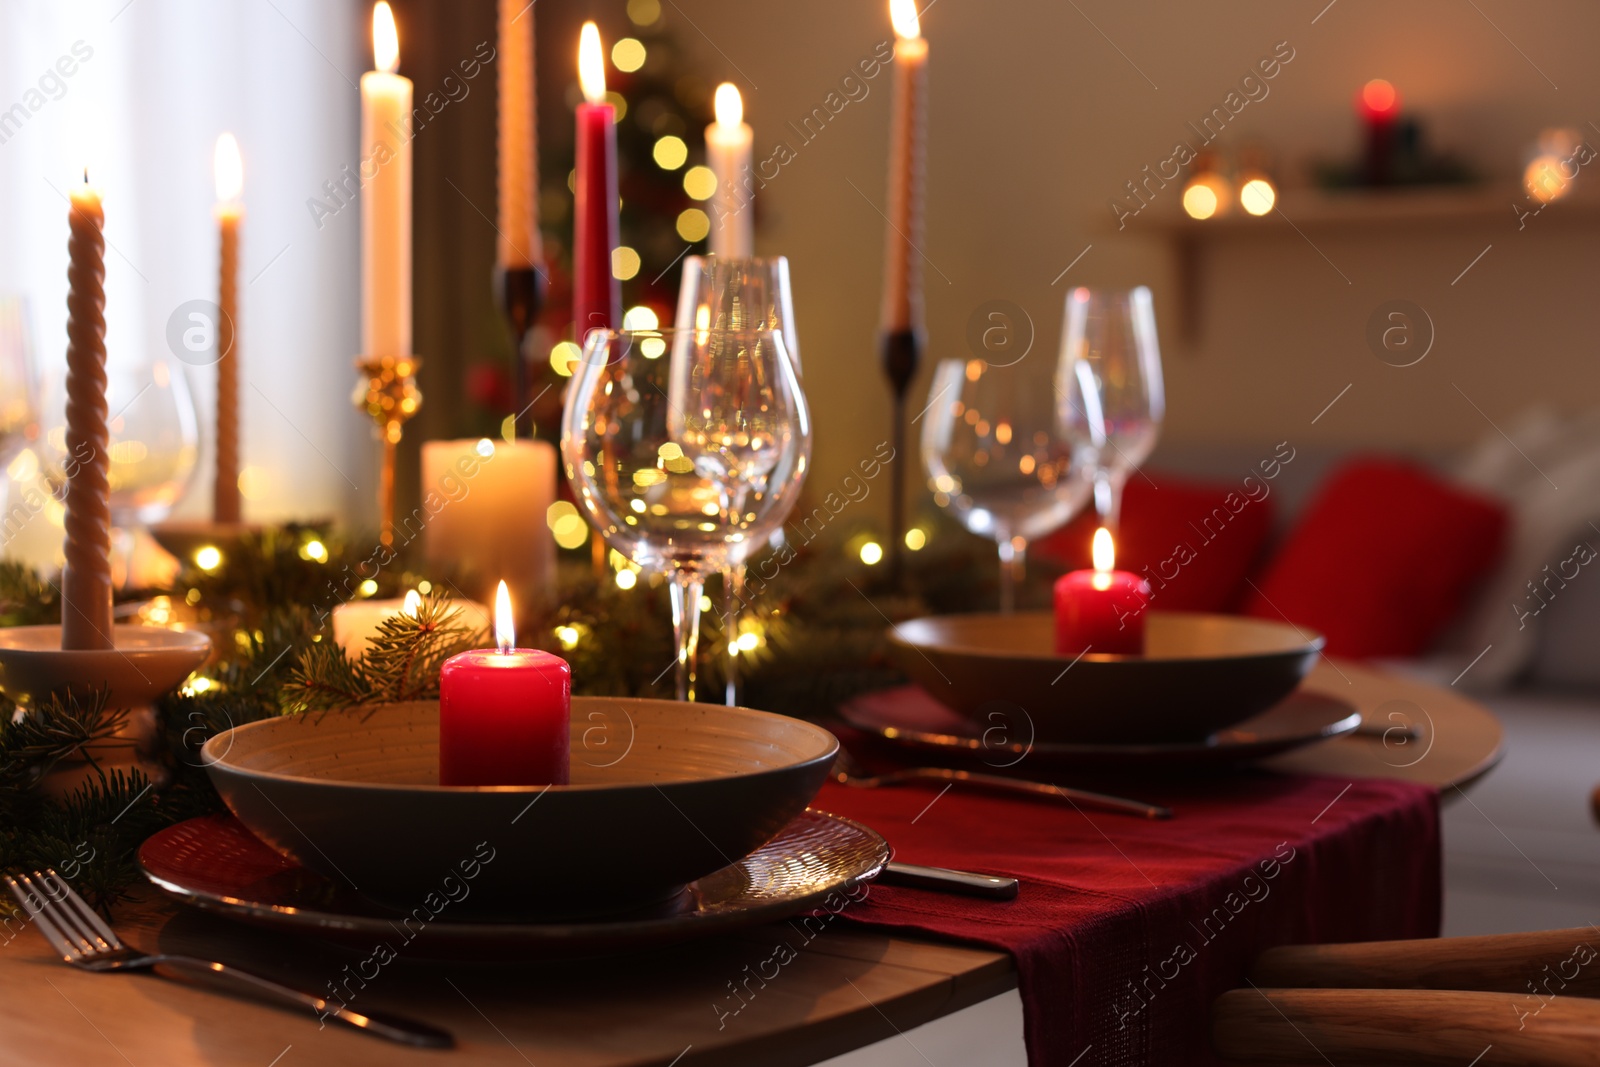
(84, 940)
(847, 772)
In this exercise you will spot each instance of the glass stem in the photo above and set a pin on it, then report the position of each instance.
(687, 586)
(732, 601)
(1108, 487)
(1013, 560)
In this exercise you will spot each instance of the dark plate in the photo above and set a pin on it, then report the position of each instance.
(662, 793)
(910, 719)
(214, 863)
(1199, 674)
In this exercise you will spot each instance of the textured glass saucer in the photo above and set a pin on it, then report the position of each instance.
(217, 865)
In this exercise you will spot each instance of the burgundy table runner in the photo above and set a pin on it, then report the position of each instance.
(1126, 929)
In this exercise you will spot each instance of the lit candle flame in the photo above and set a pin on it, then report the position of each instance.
(413, 603)
(591, 64)
(903, 14)
(228, 168)
(729, 105)
(1105, 558)
(1104, 551)
(505, 627)
(385, 39)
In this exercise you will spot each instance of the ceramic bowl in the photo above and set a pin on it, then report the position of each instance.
(1199, 674)
(661, 794)
(147, 662)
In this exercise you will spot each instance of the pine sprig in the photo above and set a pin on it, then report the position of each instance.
(64, 726)
(400, 663)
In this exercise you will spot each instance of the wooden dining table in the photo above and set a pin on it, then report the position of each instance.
(849, 988)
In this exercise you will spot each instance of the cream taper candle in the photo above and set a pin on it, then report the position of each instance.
(385, 196)
(86, 578)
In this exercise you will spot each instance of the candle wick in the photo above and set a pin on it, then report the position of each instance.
(86, 175)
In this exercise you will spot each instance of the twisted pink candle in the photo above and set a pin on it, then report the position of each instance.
(86, 578)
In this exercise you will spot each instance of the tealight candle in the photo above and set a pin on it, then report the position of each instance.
(356, 622)
(505, 713)
(1101, 610)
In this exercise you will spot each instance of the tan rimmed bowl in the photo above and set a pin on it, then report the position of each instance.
(1199, 674)
(661, 794)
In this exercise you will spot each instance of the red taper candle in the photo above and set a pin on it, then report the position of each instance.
(505, 714)
(596, 293)
(1101, 610)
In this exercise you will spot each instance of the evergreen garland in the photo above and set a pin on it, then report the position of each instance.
(821, 622)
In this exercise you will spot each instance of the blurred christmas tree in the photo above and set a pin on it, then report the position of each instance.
(663, 109)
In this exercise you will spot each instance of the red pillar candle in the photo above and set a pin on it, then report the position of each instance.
(1101, 610)
(596, 293)
(504, 714)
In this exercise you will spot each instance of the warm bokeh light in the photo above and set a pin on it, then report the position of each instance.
(208, 558)
(670, 152)
(228, 168)
(640, 318)
(916, 539)
(1543, 179)
(627, 579)
(903, 16)
(628, 54)
(700, 182)
(591, 64)
(505, 627)
(728, 105)
(1200, 201)
(385, 39)
(871, 553)
(412, 604)
(1379, 97)
(1257, 196)
(564, 356)
(693, 224)
(625, 263)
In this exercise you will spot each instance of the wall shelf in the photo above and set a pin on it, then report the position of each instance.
(1363, 212)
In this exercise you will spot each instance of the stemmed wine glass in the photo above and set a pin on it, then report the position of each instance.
(725, 293)
(1110, 385)
(998, 455)
(683, 447)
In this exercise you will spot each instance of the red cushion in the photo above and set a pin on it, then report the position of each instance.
(1382, 559)
(1194, 542)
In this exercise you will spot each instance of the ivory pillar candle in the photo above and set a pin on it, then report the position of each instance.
(728, 142)
(385, 197)
(484, 506)
(520, 244)
(229, 168)
(596, 293)
(86, 578)
(902, 290)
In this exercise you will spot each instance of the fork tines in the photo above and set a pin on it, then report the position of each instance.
(64, 918)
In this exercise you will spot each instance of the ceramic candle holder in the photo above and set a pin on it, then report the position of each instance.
(146, 663)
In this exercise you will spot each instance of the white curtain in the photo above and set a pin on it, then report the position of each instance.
(152, 84)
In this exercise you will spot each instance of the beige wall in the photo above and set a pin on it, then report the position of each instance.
(1037, 121)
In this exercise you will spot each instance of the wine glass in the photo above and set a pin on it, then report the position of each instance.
(154, 435)
(998, 455)
(726, 293)
(1110, 385)
(683, 447)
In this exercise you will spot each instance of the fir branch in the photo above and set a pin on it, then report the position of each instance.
(32, 744)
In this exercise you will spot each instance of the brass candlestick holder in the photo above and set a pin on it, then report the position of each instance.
(389, 395)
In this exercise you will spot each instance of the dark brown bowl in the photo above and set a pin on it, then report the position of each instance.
(662, 793)
(1199, 674)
